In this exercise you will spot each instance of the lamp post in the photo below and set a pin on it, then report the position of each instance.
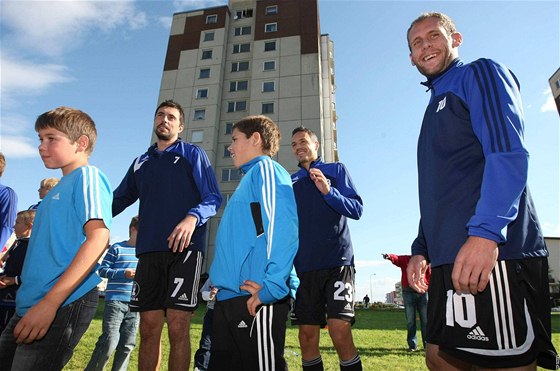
(371, 287)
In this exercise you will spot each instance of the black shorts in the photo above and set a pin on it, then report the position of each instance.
(166, 280)
(243, 342)
(506, 325)
(325, 294)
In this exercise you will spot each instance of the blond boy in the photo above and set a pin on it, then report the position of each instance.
(58, 297)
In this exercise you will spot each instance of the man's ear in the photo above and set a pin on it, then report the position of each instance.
(256, 139)
(457, 39)
(411, 60)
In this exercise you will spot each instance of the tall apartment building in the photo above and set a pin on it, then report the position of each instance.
(250, 57)
(554, 82)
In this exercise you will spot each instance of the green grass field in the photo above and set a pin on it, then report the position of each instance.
(380, 336)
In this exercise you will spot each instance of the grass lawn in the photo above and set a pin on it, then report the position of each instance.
(380, 336)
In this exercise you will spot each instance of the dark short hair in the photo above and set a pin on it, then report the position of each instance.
(173, 104)
(133, 222)
(268, 130)
(309, 132)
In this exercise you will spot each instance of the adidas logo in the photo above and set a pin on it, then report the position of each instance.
(242, 324)
(477, 334)
(184, 297)
(56, 196)
(348, 307)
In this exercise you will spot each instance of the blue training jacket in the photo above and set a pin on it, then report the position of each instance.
(170, 184)
(472, 165)
(324, 237)
(258, 234)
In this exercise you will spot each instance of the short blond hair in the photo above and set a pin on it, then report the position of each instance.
(27, 216)
(72, 122)
(444, 20)
(49, 183)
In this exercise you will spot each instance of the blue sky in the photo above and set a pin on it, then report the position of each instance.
(106, 58)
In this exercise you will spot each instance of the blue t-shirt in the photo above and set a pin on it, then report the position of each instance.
(58, 233)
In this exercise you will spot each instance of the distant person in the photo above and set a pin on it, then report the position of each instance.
(325, 197)
(8, 208)
(58, 295)
(202, 355)
(366, 301)
(414, 302)
(255, 247)
(45, 186)
(120, 324)
(178, 193)
(10, 279)
(489, 297)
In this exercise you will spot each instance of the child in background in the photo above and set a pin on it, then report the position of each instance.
(10, 280)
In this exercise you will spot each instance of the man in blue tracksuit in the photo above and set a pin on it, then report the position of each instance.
(178, 193)
(325, 197)
(255, 247)
(488, 291)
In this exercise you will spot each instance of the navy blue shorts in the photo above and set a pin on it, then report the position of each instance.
(325, 294)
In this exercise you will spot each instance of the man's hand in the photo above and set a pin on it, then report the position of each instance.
(35, 323)
(320, 180)
(129, 273)
(474, 264)
(6, 281)
(254, 300)
(416, 272)
(180, 237)
(385, 256)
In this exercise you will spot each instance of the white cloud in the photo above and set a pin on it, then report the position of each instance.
(24, 77)
(17, 146)
(184, 5)
(53, 27)
(369, 263)
(549, 105)
(551, 230)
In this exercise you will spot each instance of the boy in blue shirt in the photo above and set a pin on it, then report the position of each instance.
(120, 324)
(58, 295)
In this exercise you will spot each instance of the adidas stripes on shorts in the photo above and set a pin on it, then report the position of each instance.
(506, 325)
(167, 280)
(243, 342)
(325, 293)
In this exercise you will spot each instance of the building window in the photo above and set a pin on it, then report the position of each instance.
(270, 10)
(238, 85)
(226, 151)
(246, 30)
(268, 86)
(206, 54)
(558, 84)
(269, 46)
(229, 128)
(241, 48)
(201, 93)
(269, 65)
(204, 73)
(209, 36)
(210, 19)
(240, 105)
(239, 66)
(245, 13)
(225, 198)
(197, 136)
(199, 114)
(230, 175)
(267, 108)
(270, 27)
